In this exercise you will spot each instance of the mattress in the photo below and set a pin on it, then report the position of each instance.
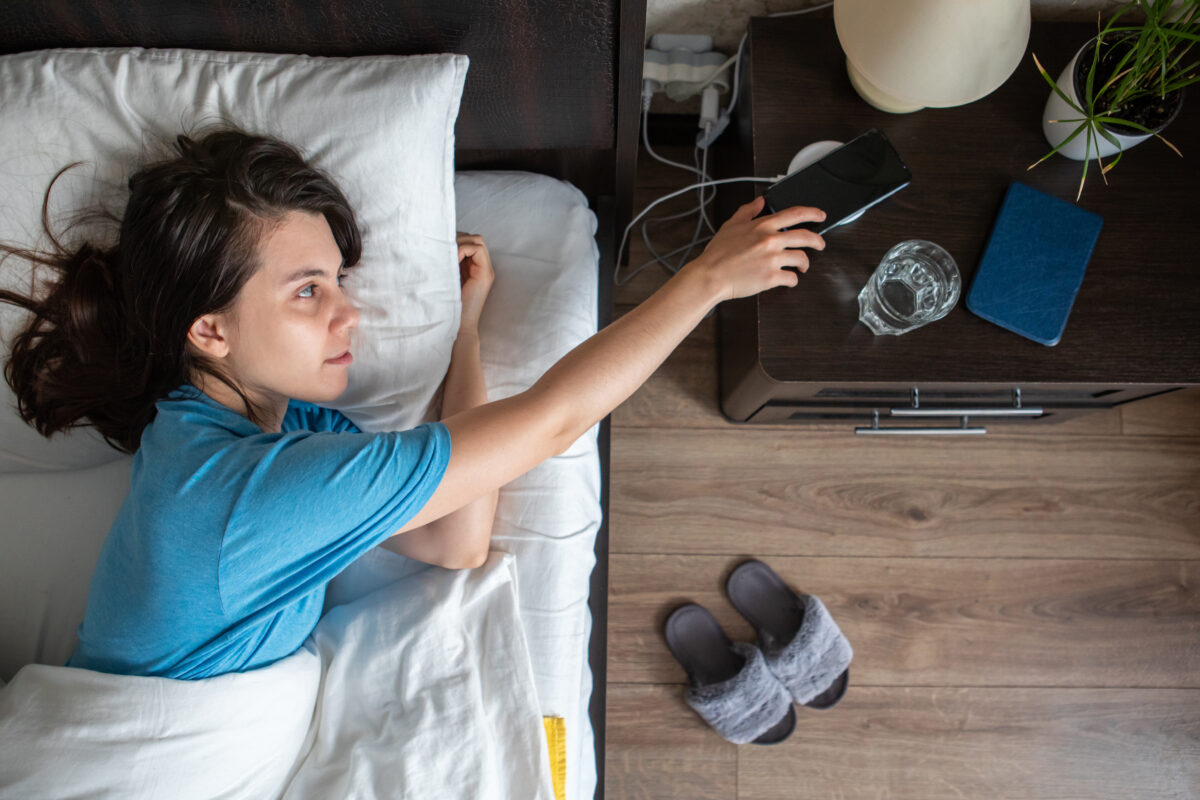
(543, 303)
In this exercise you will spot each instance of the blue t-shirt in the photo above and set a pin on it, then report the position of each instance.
(220, 555)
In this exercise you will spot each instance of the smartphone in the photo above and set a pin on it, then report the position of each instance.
(848, 180)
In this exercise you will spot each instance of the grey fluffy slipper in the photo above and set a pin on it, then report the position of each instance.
(730, 686)
(803, 646)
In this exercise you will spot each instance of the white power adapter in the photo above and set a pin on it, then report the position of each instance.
(712, 122)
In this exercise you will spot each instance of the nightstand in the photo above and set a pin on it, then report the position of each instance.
(797, 355)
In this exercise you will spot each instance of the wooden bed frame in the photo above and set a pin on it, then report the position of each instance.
(553, 87)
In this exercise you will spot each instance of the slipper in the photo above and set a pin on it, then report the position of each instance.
(802, 644)
(730, 686)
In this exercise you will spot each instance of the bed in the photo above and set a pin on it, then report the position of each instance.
(544, 141)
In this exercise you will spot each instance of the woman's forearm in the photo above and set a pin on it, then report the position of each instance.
(461, 538)
(464, 387)
(602, 372)
(470, 526)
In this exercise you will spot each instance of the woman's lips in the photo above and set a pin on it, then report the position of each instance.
(344, 358)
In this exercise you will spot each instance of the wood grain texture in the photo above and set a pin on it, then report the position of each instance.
(726, 491)
(658, 748)
(1174, 414)
(919, 743)
(942, 622)
(948, 744)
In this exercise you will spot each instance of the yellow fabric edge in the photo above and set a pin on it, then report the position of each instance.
(556, 745)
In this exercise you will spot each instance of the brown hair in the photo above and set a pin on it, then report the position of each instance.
(109, 338)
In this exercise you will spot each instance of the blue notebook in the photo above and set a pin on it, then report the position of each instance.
(1033, 264)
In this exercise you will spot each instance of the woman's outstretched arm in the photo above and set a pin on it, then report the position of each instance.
(494, 443)
(461, 538)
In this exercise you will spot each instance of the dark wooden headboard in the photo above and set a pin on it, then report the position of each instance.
(553, 87)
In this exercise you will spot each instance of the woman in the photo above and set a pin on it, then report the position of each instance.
(201, 341)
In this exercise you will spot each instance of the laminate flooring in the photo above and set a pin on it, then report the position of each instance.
(1024, 606)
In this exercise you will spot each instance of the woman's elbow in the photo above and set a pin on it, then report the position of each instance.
(470, 559)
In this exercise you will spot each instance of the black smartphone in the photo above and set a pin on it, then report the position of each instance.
(850, 179)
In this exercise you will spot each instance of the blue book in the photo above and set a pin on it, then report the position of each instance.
(1033, 264)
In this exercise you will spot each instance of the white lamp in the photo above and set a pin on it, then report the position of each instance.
(903, 55)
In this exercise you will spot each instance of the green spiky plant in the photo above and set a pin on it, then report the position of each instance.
(1132, 66)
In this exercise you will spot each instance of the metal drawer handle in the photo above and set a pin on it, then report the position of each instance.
(965, 412)
(915, 409)
(875, 430)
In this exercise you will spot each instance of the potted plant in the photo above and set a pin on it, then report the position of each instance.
(1123, 86)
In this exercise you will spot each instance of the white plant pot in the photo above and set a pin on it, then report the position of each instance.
(1056, 132)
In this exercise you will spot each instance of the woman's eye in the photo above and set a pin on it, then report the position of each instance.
(307, 291)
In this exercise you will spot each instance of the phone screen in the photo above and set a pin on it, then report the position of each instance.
(853, 177)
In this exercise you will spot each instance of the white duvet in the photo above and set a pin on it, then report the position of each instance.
(419, 689)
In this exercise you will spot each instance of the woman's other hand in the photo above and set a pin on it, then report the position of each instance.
(476, 274)
(749, 253)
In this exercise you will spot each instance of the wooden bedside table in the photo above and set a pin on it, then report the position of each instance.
(795, 355)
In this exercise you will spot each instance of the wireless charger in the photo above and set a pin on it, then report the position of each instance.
(814, 153)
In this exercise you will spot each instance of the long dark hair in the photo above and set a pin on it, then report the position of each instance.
(109, 338)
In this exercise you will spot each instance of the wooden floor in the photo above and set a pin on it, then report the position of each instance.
(1023, 606)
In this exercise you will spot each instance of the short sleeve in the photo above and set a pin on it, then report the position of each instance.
(313, 502)
(301, 416)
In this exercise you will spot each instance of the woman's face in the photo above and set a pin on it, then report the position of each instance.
(289, 331)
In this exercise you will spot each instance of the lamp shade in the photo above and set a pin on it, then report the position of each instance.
(903, 55)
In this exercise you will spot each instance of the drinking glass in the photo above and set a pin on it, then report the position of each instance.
(916, 283)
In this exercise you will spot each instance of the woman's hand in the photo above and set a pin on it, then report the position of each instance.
(748, 254)
(476, 274)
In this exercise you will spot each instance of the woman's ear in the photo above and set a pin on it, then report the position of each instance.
(207, 335)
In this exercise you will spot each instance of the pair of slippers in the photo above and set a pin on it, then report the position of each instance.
(745, 692)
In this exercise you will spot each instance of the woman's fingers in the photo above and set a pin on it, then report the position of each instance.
(749, 210)
(793, 216)
(750, 253)
(792, 258)
(469, 244)
(800, 237)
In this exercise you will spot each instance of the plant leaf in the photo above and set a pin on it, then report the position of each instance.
(1110, 137)
(1060, 146)
(1143, 128)
(1087, 157)
(1111, 164)
(1168, 144)
(1054, 86)
(1127, 123)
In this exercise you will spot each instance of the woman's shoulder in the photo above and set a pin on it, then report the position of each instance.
(186, 409)
(305, 416)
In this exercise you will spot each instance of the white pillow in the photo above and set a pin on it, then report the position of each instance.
(381, 126)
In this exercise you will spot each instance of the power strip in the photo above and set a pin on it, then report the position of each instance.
(682, 65)
(682, 74)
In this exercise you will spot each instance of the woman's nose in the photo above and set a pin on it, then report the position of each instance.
(348, 315)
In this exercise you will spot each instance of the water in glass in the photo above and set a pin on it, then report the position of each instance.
(916, 283)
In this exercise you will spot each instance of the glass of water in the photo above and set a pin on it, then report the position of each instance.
(916, 283)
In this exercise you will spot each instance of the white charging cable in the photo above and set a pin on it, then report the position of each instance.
(625, 236)
(712, 123)
(700, 170)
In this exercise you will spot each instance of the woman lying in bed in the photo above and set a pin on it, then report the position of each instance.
(201, 343)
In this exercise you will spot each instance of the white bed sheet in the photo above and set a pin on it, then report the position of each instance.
(544, 302)
(420, 689)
